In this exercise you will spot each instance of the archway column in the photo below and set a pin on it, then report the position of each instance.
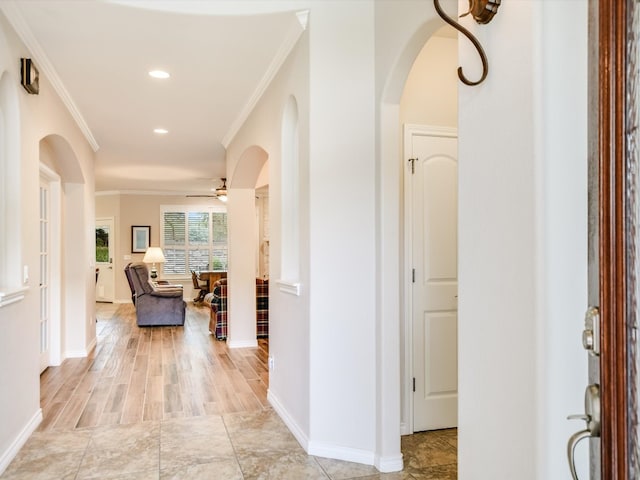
(241, 234)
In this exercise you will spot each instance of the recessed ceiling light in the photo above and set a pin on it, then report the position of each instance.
(160, 131)
(159, 74)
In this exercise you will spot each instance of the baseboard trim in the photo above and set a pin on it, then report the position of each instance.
(336, 452)
(388, 464)
(20, 440)
(242, 344)
(75, 354)
(81, 353)
(92, 345)
(291, 424)
(392, 463)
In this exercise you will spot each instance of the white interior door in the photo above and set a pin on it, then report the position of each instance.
(105, 283)
(434, 206)
(45, 275)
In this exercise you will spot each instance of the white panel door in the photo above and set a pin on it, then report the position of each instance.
(434, 194)
(44, 275)
(105, 281)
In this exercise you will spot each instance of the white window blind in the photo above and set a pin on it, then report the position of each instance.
(193, 238)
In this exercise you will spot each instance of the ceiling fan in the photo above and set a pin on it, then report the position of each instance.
(220, 192)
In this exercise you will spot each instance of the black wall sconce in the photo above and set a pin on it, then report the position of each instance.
(483, 12)
(30, 76)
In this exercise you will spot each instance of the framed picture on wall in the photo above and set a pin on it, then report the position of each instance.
(140, 237)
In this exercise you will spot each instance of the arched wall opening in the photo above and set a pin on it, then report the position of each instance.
(249, 167)
(290, 201)
(393, 382)
(242, 237)
(60, 168)
(62, 158)
(428, 116)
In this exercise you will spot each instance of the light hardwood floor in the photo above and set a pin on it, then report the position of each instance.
(172, 403)
(153, 373)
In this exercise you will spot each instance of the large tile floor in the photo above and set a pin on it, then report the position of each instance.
(242, 445)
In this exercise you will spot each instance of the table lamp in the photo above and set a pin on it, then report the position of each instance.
(154, 255)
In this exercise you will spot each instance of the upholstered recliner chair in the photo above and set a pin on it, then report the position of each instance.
(155, 306)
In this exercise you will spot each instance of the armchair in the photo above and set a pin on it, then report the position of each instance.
(127, 272)
(155, 306)
(218, 321)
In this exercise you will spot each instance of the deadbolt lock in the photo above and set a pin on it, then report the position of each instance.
(591, 332)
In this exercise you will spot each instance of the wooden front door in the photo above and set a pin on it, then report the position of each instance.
(617, 23)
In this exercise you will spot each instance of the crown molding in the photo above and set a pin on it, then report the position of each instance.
(46, 68)
(294, 34)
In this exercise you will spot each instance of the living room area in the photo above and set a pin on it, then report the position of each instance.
(191, 231)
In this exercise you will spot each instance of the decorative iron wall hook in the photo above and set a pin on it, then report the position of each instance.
(483, 11)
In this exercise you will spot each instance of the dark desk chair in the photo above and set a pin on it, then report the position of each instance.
(198, 285)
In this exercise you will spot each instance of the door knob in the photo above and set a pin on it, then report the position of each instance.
(592, 419)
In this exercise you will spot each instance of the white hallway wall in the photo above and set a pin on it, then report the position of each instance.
(40, 116)
(288, 314)
(523, 242)
(522, 250)
(323, 341)
(511, 319)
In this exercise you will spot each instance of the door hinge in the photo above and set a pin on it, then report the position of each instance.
(413, 161)
(413, 275)
(414, 384)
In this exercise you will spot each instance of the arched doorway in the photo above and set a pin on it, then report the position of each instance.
(242, 238)
(61, 193)
(392, 272)
(428, 116)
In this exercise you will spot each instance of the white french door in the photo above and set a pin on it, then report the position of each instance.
(45, 274)
(432, 180)
(105, 277)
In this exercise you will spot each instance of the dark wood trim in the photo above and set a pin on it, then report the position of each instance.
(612, 108)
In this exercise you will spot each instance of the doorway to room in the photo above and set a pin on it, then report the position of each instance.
(428, 117)
(49, 270)
(105, 277)
(431, 201)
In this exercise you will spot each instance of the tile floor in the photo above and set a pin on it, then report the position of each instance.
(229, 446)
(243, 446)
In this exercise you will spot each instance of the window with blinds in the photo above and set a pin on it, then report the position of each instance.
(193, 238)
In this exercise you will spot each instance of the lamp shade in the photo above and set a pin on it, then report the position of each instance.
(154, 255)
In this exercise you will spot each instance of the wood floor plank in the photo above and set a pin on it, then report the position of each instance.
(260, 391)
(50, 415)
(249, 401)
(115, 405)
(134, 401)
(136, 374)
(153, 402)
(95, 405)
(68, 418)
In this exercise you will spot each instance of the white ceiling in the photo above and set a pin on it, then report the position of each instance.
(97, 55)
